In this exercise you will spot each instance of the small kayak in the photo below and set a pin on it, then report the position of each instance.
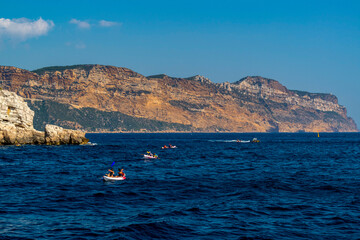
(150, 157)
(106, 178)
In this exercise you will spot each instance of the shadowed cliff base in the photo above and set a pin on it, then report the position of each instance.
(93, 120)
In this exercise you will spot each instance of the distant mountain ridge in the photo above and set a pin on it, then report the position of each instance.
(107, 98)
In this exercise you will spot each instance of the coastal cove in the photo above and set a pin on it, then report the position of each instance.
(287, 186)
(180, 120)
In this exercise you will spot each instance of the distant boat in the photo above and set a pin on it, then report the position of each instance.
(166, 147)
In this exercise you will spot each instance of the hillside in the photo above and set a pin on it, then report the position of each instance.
(107, 98)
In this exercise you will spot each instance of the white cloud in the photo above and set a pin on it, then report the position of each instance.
(104, 23)
(23, 28)
(80, 24)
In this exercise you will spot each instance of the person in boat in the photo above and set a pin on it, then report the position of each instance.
(238, 140)
(111, 173)
(170, 146)
(121, 173)
(165, 146)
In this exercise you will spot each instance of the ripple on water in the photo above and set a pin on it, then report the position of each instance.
(157, 230)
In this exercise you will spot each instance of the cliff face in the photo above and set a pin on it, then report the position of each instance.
(253, 104)
(16, 118)
(272, 90)
(13, 110)
(16, 125)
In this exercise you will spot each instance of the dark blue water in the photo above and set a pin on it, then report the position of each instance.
(288, 186)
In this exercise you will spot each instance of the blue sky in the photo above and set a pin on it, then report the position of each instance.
(305, 45)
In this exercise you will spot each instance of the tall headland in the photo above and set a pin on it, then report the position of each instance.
(98, 98)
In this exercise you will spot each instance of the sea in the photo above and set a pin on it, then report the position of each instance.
(287, 186)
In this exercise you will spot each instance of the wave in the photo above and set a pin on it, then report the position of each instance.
(161, 229)
(90, 144)
(4, 237)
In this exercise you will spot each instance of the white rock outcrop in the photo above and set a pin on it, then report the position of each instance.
(55, 135)
(16, 125)
(14, 111)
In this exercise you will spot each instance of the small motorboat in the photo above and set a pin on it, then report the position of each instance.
(115, 178)
(166, 147)
(146, 156)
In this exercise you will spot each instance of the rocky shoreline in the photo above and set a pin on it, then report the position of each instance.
(16, 125)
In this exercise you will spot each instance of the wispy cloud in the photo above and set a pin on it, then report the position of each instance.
(88, 24)
(77, 45)
(80, 45)
(23, 28)
(104, 23)
(80, 24)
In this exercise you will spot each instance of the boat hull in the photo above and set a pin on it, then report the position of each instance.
(149, 157)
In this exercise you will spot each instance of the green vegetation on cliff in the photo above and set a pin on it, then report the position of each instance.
(85, 67)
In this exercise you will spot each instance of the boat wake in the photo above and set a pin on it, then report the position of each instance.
(230, 141)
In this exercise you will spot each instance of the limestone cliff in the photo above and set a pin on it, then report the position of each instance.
(16, 125)
(123, 97)
(16, 118)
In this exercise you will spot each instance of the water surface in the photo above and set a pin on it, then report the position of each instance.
(288, 186)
